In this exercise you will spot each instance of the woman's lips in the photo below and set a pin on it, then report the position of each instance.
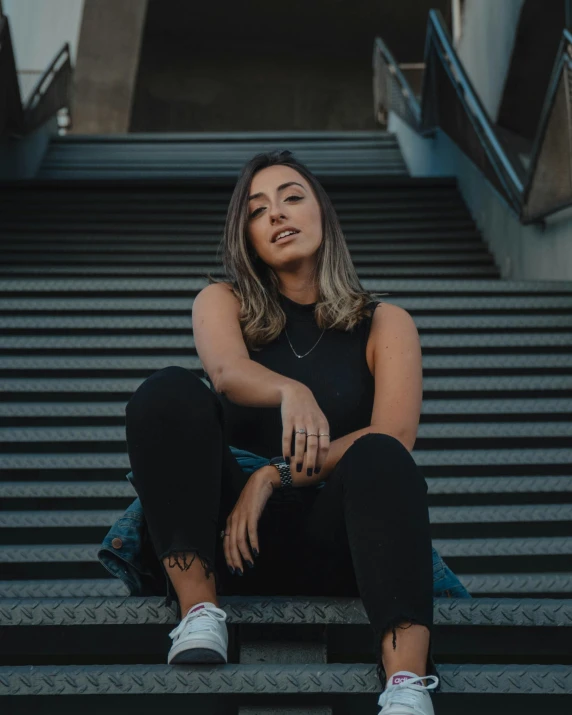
(287, 238)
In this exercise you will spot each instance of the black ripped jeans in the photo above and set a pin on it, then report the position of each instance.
(364, 534)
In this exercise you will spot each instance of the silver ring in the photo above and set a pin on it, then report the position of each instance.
(312, 434)
(224, 533)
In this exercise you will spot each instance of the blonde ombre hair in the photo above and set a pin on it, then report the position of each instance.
(342, 299)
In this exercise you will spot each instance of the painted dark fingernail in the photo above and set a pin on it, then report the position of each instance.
(231, 570)
(250, 564)
(286, 458)
(239, 572)
(309, 471)
(317, 470)
(299, 467)
(255, 552)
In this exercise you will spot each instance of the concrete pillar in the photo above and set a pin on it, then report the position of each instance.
(106, 67)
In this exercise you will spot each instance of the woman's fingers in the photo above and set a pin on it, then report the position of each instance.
(287, 441)
(242, 542)
(323, 445)
(226, 547)
(311, 453)
(238, 548)
(300, 442)
(253, 537)
(235, 560)
(237, 545)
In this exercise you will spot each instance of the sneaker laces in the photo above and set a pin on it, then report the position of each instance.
(402, 694)
(203, 620)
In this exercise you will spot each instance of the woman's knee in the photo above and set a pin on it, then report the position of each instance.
(377, 444)
(168, 391)
(383, 459)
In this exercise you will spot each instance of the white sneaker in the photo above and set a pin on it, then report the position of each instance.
(405, 694)
(201, 637)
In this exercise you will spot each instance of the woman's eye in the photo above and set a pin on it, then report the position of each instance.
(256, 211)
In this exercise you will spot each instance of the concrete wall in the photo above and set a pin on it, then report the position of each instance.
(265, 65)
(522, 252)
(106, 68)
(177, 92)
(39, 30)
(488, 29)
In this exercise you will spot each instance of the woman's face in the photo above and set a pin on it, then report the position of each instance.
(281, 198)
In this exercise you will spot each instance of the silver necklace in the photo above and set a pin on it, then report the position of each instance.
(309, 351)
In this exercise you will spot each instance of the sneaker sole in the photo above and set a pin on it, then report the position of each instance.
(197, 655)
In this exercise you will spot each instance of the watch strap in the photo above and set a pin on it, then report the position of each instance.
(283, 470)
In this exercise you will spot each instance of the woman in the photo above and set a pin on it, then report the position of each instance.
(302, 363)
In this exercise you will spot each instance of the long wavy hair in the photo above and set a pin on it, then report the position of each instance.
(342, 301)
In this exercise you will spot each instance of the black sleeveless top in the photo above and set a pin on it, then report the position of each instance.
(336, 372)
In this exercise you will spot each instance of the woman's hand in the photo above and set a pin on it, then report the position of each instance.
(242, 522)
(300, 410)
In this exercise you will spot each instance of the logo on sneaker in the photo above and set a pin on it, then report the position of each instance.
(196, 608)
(400, 679)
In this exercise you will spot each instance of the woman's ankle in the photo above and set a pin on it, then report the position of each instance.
(191, 584)
(185, 608)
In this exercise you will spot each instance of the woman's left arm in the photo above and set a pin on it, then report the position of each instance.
(398, 375)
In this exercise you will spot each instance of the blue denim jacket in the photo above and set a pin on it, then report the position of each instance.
(127, 554)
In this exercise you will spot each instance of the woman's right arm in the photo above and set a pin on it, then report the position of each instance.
(248, 383)
(223, 353)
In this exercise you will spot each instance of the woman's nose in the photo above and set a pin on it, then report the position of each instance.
(275, 214)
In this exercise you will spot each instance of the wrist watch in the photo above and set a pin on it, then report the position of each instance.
(283, 470)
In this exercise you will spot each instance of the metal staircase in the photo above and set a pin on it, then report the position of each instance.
(204, 155)
(101, 257)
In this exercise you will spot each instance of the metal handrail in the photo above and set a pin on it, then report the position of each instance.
(36, 94)
(471, 99)
(424, 117)
(440, 48)
(52, 90)
(51, 93)
(388, 73)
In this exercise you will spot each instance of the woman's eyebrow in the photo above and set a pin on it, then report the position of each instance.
(280, 188)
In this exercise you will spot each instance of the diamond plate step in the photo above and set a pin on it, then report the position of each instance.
(518, 584)
(144, 287)
(445, 485)
(284, 679)
(460, 306)
(381, 272)
(434, 365)
(147, 323)
(438, 515)
(453, 342)
(482, 458)
(448, 548)
(523, 407)
(94, 611)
